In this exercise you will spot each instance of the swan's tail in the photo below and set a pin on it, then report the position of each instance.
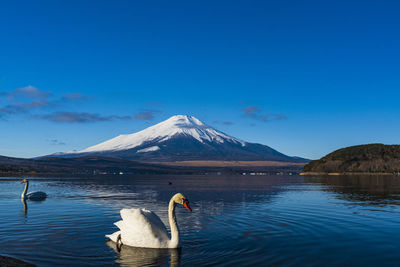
(114, 236)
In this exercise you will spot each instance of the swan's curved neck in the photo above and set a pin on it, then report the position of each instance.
(174, 242)
(25, 190)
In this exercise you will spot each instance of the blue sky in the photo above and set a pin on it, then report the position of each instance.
(304, 77)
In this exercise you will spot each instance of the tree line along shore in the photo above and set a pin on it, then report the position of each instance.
(377, 159)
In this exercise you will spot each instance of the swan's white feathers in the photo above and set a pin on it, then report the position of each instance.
(141, 228)
(114, 236)
(150, 218)
(119, 224)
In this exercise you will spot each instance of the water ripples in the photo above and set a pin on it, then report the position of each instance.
(255, 223)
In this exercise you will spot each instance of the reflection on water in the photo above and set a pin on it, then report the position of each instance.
(130, 256)
(25, 206)
(236, 220)
(365, 190)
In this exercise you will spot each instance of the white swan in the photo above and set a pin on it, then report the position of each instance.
(143, 228)
(38, 195)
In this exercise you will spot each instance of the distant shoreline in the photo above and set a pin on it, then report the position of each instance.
(348, 173)
(229, 163)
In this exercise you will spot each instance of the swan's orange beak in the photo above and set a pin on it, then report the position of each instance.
(21, 182)
(186, 204)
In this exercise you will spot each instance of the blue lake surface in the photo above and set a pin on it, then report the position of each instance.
(236, 220)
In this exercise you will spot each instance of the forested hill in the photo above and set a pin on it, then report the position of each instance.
(371, 158)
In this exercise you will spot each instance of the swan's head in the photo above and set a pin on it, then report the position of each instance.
(181, 199)
(24, 181)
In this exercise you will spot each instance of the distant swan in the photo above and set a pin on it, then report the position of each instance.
(143, 228)
(38, 195)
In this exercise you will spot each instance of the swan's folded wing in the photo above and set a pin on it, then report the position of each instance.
(143, 224)
(36, 193)
(114, 236)
(119, 224)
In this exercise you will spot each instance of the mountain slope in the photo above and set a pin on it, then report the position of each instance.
(181, 138)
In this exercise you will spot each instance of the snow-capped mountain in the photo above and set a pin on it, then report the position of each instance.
(187, 126)
(180, 138)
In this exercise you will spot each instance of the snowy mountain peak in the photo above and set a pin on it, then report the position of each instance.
(178, 125)
(183, 120)
(180, 138)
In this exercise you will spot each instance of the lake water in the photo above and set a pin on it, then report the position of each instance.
(236, 221)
